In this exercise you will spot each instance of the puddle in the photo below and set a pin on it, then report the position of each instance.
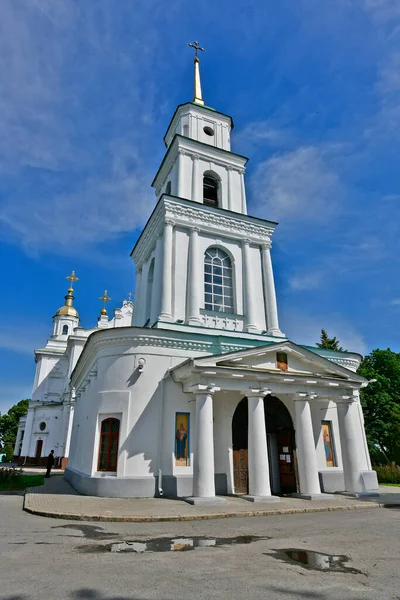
(318, 561)
(175, 544)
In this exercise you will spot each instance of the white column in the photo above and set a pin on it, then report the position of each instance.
(230, 189)
(306, 452)
(28, 432)
(197, 182)
(181, 173)
(248, 289)
(18, 442)
(350, 442)
(271, 309)
(203, 467)
(166, 289)
(195, 279)
(259, 484)
(243, 193)
(137, 309)
(157, 281)
(70, 417)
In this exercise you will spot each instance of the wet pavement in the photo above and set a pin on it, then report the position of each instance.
(318, 561)
(334, 555)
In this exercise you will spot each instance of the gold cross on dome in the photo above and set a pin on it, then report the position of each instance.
(72, 277)
(196, 47)
(104, 298)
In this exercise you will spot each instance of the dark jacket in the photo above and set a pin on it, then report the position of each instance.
(50, 460)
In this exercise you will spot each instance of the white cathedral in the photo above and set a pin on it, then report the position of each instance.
(194, 391)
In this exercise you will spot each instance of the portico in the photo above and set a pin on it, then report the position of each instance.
(307, 393)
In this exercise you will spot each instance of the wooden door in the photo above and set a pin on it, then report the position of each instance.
(287, 468)
(39, 445)
(240, 472)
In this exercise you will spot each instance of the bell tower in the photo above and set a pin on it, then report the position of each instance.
(201, 260)
(199, 164)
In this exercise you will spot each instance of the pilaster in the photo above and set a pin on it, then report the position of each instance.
(195, 279)
(271, 309)
(248, 293)
(166, 288)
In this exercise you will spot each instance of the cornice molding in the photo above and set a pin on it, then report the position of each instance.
(209, 221)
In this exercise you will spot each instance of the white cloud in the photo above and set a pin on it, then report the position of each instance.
(299, 185)
(395, 302)
(22, 338)
(267, 133)
(303, 328)
(306, 281)
(108, 205)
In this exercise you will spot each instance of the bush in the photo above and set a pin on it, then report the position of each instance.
(388, 473)
(9, 475)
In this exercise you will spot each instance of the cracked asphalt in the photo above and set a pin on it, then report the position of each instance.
(50, 558)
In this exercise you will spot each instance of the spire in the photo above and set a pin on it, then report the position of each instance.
(68, 310)
(105, 298)
(198, 98)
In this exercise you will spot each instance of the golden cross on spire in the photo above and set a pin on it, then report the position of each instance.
(104, 298)
(72, 278)
(198, 98)
(196, 47)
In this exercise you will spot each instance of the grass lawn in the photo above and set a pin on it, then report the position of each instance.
(22, 482)
(392, 484)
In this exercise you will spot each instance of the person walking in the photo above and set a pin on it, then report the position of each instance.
(50, 463)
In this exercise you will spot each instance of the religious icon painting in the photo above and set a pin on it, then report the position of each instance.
(329, 445)
(281, 361)
(182, 439)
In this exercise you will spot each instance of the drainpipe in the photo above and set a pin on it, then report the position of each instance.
(160, 440)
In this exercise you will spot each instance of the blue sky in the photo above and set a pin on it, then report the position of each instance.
(88, 89)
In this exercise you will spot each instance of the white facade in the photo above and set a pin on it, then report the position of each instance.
(47, 425)
(204, 395)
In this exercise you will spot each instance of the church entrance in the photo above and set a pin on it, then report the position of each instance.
(39, 446)
(281, 447)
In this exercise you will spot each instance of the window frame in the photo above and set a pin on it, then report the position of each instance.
(110, 435)
(214, 177)
(218, 281)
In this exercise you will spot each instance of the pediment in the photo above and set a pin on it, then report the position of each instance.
(285, 357)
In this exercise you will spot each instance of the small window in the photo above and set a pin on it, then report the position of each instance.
(42, 426)
(65, 330)
(109, 441)
(210, 190)
(281, 361)
(168, 188)
(208, 131)
(329, 445)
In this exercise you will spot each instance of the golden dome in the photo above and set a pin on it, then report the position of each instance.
(68, 310)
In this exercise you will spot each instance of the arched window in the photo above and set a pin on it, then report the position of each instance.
(210, 190)
(65, 330)
(109, 439)
(168, 188)
(218, 286)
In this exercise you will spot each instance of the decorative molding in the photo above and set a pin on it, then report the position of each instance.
(349, 363)
(209, 221)
(266, 246)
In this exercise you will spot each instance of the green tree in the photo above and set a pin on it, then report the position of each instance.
(381, 404)
(329, 343)
(9, 426)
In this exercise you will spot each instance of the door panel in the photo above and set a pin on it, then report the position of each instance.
(240, 472)
(287, 470)
(39, 446)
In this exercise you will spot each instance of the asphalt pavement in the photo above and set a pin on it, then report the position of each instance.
(50, 558)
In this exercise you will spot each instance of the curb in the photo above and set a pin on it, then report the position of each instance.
(201, 517)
